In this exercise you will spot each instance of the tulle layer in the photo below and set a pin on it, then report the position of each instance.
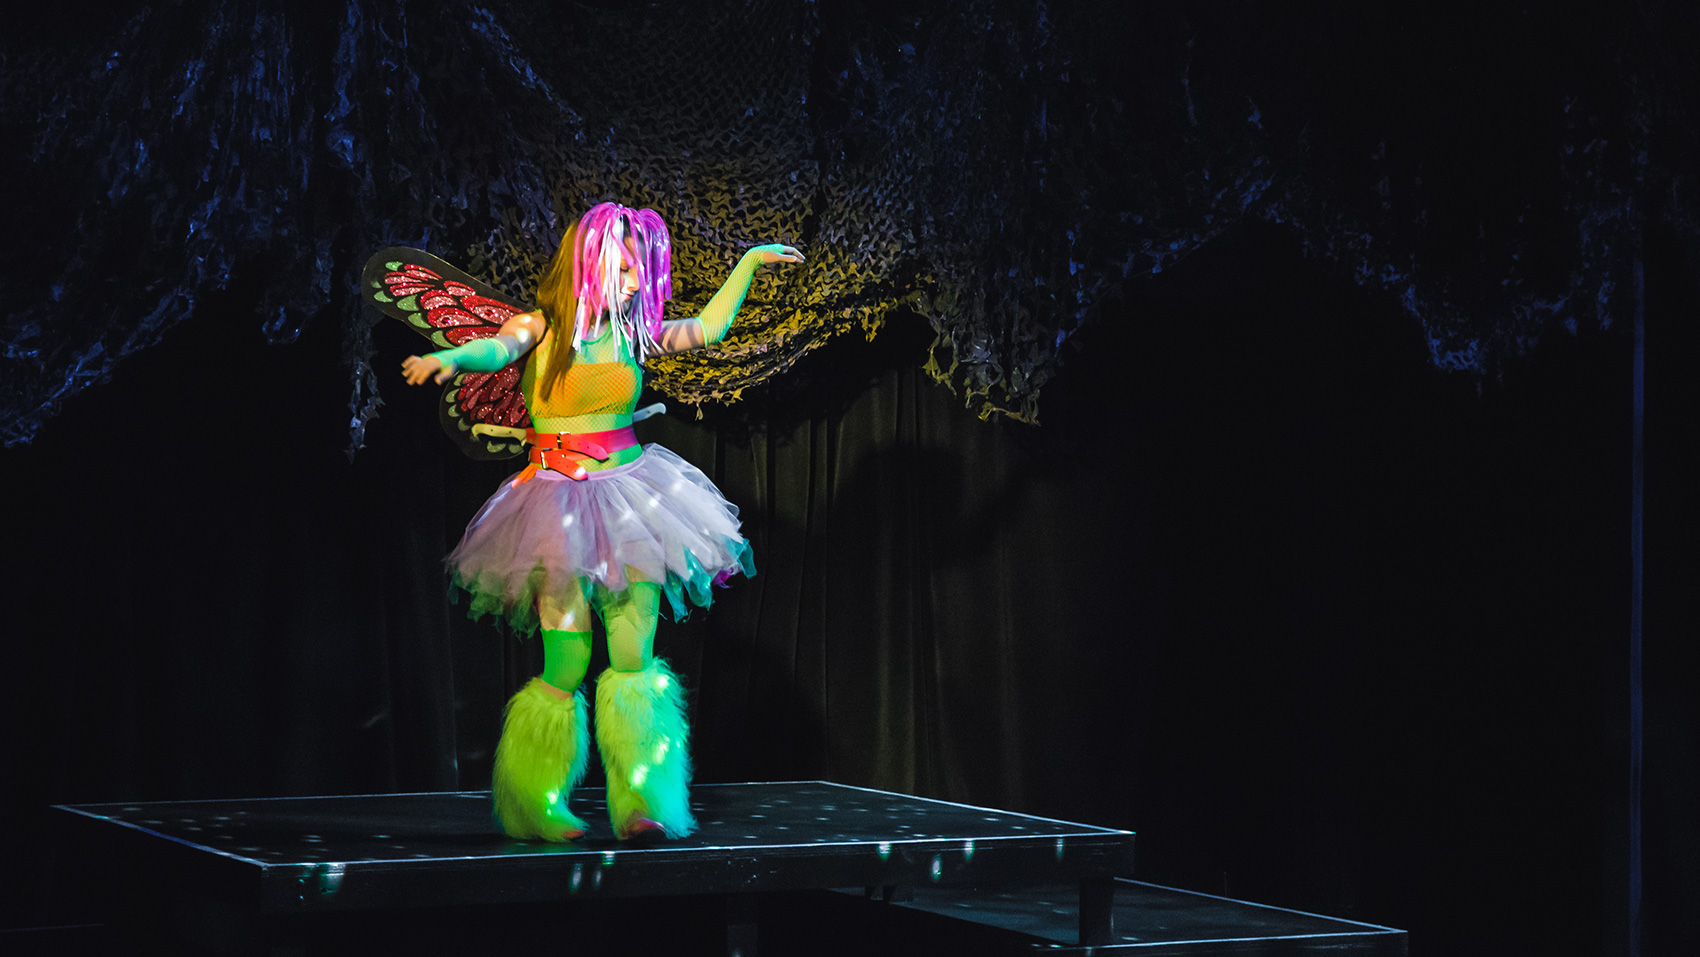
(656, 519)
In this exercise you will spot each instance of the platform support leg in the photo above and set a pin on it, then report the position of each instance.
(741, 912)
(1097, 911)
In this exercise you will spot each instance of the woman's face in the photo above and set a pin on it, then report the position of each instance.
(629, 275)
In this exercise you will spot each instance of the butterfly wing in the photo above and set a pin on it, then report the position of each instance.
(449, 307)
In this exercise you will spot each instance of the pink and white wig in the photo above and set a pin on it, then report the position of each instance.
(601, 251)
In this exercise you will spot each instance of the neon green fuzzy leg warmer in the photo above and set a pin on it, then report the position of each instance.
(541, 757)
(641, 731)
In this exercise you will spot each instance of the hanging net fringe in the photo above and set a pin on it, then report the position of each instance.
(997, 170)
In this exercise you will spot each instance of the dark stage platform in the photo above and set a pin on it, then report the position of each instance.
(262, 868)
(1150, 921)
(430, 872)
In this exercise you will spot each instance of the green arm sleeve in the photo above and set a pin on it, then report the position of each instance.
(717, 316)
(482, 355)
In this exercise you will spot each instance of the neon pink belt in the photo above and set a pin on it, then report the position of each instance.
(567, 452)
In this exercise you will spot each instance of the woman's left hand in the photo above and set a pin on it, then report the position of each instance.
(777, 253)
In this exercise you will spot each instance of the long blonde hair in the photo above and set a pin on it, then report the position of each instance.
(559, 306)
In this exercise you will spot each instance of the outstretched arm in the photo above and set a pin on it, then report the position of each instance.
(680, 335)
(518, 336)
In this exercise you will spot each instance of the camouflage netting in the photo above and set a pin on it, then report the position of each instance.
(997, 168)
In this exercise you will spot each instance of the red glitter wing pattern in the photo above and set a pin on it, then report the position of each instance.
(451, 308)
(493, 398)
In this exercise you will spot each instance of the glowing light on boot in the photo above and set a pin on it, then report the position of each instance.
(639, 773)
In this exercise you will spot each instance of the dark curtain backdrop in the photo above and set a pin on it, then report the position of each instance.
(1329, 628)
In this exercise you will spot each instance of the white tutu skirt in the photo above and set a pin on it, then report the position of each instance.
(656, 518)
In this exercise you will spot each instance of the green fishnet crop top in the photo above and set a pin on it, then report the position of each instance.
(600, 390)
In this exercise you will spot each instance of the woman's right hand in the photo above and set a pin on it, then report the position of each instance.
(416, 369)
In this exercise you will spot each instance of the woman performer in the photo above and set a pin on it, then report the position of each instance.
(597, 521)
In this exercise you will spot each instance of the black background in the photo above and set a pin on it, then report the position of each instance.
(1330, 629)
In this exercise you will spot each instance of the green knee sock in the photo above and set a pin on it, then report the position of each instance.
(566, 657)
